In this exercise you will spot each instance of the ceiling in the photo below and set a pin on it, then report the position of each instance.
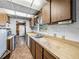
(34, 4)
(25, 6)
(17, 7)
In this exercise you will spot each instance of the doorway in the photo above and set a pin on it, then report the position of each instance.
(20, 29)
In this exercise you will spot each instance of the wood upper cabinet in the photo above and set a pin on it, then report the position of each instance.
(56, 10)
(3, 19)
(47, 55)
(30, 41)
(46, 13)
(32, 21)
(60, 10)
(39, 51)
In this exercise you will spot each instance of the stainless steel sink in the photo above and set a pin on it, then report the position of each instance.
(38, 35)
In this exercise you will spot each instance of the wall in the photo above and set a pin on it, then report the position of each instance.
(13, 24)
(70, 31)
(28, 29)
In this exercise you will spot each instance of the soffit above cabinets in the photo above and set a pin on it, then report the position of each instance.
(15, 13)
(23, 2)
(34, 4)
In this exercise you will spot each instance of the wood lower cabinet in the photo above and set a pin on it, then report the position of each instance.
(7, 56)
(30, 44)
(47, 55)
(39, 51)
(33, 47)
(10, 44)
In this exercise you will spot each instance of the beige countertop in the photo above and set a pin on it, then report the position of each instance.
(63, 49)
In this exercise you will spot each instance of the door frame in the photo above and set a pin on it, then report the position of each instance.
(17, 27)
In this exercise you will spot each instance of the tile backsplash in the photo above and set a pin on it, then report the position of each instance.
(67, 31)
(43, 27)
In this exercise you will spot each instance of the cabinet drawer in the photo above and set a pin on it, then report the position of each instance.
(3, 19)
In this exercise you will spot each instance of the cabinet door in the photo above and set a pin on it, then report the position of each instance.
(32, 21)
(3, 19)
(47, 55)
(32, 47)
(38, 51)
(46, 13)
(60, 10)
(10, 44)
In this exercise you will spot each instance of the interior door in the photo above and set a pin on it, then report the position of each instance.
(21, 30)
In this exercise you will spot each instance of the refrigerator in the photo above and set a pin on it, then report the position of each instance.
(3, 38)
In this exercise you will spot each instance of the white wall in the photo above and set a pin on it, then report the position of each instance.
(13, 24)
(28, 29)
(71, 32)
